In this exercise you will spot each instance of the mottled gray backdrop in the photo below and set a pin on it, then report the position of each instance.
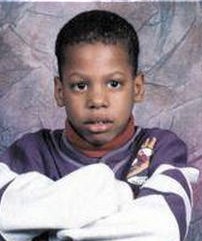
(171, 58)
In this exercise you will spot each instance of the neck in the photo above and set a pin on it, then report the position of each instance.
(98, 151)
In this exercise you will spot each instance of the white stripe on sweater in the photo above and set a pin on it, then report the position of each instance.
(167, 184)
(6, 175)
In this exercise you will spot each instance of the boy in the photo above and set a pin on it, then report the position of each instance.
(81, 182)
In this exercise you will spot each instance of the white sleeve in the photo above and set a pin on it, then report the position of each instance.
(34, 202)
(153, 216)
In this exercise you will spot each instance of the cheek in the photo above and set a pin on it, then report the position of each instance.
(74, 115)
(74, 108)
(123, 102)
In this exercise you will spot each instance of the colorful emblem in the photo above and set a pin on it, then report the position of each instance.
(136, 174)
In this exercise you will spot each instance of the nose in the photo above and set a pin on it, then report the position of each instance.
(97, 98)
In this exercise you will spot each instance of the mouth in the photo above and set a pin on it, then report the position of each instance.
(98, 126)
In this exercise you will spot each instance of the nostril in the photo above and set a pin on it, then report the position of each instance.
(96, 103)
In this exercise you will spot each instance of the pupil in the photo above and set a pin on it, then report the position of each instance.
(114, 83)
(81, 85)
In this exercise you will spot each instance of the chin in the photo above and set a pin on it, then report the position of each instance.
(99, 142)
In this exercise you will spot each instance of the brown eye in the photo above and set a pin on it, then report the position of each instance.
(114, 84)
(80, 86)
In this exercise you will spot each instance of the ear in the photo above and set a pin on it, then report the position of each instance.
(139, 88)
(58, 91)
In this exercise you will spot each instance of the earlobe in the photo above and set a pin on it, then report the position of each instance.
(58, 91)
(139, 88)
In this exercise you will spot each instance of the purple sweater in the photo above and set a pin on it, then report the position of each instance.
(49, 153)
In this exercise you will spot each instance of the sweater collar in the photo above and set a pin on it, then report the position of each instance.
(96, 152)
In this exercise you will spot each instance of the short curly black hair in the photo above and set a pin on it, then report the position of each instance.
(98, 26)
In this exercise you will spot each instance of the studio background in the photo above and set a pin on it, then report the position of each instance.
(170, 36)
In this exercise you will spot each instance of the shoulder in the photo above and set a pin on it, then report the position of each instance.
(169, 147)
(158, 132)
(31, 151)
(32, 144)
(37, 138)
(163, 136)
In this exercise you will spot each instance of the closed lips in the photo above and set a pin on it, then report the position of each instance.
(98, 121)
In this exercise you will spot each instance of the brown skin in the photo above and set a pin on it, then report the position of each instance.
(98, 90)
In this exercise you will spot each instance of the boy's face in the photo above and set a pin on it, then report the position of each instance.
(98, 90)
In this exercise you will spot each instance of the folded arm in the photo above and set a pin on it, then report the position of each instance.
(161, 212)
(34, 202)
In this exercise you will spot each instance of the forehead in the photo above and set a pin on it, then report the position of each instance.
(96, 55)
(97, 49)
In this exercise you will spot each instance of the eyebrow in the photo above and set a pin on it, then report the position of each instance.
(87, 76)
